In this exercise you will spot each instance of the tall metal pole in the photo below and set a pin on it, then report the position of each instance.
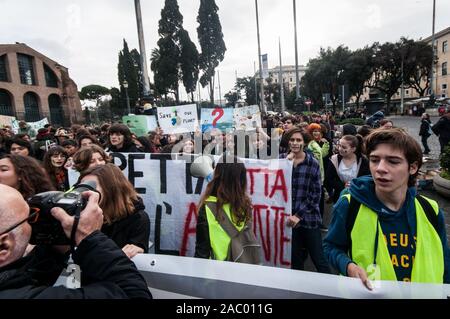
(297, 77)
(128, 101)
(256, 84)
(146, 82)
(262, 107)
(343, 98)
(402, 93)
(280, 77)
(237, 89)
(433, 40)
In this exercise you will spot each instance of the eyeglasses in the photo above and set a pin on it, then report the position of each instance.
(32, 218)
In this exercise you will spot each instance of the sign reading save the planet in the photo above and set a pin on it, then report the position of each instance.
(217, 118)
(178, 119)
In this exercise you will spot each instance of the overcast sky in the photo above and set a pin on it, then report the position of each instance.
(86, 35)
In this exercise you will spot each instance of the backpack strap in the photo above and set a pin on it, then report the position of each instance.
(223, 220)
(429, 211)
(352, 213)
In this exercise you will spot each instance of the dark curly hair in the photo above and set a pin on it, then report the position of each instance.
(32, 177)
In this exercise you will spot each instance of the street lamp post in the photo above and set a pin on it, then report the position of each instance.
(263, 107)
(125, 86)
(433, 41)
(402, 92)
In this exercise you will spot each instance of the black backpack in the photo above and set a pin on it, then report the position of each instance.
(244, 248)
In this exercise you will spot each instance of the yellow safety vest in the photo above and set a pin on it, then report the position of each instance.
(218, 237)
(428, 266)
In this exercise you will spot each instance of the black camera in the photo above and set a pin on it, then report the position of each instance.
(46, 230)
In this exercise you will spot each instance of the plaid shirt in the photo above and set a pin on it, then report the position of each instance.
(306, 191)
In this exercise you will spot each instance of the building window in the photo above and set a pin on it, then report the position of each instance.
(290, 79)
(31, 107)
(444, 86)
(3, 72)
(444, 46)
(50, 77)
(407, 92)
(444, 68)
(26, 69)
(5, 104)
(56, 109)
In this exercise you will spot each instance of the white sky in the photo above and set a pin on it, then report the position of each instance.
(86, 35)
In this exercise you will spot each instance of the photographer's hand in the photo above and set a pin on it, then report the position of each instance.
(91, 218)
(132, 250)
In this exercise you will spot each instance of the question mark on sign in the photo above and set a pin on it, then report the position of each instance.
(219, 113)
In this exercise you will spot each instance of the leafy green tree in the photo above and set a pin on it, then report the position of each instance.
(232, 97)
(211, 41)
(326, 74)
(189, 59)
(359, 70)
(170, 24)
(99, 94)
(127, 71)
(247, 84)
(421, 56)
(136, 56)
(387, 76)
(93, 92)
(117, 109)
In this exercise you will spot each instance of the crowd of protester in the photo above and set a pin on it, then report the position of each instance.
(326, 159)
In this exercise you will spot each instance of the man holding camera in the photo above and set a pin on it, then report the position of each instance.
(107, 271)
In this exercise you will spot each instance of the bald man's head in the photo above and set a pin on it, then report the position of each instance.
(13, 210)
(12, 205)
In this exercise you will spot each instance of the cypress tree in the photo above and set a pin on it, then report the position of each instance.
(211, 41)
(127, 71)
(189, 63)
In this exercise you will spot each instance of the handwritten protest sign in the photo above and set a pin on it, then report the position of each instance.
(178, 119)
(247, 118)
(217, 118)
(140, 124)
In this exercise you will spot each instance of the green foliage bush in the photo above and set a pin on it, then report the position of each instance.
(445, 163)
(354, 121)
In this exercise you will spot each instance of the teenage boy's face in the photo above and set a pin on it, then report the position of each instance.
(296, 143)
(390, 169)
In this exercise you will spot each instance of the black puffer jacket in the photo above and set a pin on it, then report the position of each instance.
(425, 127)
(442, 128)
(133, 229)
(109, 272)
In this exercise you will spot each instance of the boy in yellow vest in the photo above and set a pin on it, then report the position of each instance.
(383, 230)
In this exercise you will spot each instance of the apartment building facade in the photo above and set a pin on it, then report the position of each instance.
(32, 87)
(288, 72)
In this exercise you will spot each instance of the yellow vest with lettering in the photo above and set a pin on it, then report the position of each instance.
(218, 237)
(428, 266)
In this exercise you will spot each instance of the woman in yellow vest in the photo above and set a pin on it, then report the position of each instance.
(383, 230)
(228, 189)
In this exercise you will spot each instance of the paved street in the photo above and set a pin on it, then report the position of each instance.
(412, 125)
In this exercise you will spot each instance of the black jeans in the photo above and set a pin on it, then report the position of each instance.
(306, 241)
(425, 144)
